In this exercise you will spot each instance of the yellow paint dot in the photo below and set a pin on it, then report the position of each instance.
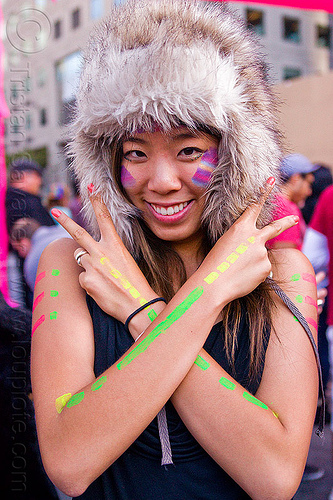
(103, 260)
(61, 401)
(143, 301)
(126, 284)
(242, 248)
(223, 267)
(275, 414)
(133, 291)
(251, 239)
(211, 277)
(232, 257)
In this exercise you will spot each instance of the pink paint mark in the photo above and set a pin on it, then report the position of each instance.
(312, 322)
(126, 179)
(201, 177)
(37, 300)
(309, 277)
(309, 300)
(209, 158)
(37, 324)
(40, 277)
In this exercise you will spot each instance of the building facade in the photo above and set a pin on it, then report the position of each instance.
(44, 40)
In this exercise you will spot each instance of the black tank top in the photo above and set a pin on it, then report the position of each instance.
(138, 474)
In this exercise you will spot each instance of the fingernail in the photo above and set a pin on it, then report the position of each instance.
(271, 181)
(56, 213)
(91, 188)
(296, 219)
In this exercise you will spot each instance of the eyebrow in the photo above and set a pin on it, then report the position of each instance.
(173, 137)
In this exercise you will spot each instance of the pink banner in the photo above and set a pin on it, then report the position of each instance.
(4, 113)
(326, 5)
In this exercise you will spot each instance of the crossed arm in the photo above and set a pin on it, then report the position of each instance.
(264, 453)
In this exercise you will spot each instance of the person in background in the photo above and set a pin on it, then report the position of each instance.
(297, 177)
(322, 179)
(29, 239)
(23, 201)
(316, 249)
(321, 228)
(23, 194)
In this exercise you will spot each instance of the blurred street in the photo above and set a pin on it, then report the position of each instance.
(319, 456)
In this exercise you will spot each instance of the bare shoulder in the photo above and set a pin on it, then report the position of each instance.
(62, 249)
(288, 264)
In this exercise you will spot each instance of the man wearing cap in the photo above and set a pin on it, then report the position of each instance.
(22, 197)
(297, 178)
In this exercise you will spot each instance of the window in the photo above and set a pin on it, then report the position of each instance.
(57, 29)
(291, 29)
(96, 8)
(43, 117)
(76, 18)
(67, 76)
(324, 36)
(289, 73)
(255, 21)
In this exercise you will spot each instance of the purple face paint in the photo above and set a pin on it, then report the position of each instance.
(207, 164)
(126, 179)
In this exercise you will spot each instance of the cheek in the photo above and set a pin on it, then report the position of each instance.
(208, 163)
(126, 178)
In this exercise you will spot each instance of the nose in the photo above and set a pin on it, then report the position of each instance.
(164, 176)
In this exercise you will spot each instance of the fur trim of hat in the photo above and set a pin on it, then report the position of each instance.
(171, 61)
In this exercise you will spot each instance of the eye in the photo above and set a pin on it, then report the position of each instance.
(134, 155)
(191, 153)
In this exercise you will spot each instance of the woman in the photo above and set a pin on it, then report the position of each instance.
(176, 150)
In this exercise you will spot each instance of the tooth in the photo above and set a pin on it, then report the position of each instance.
(163, 211)
(185, 204)
(170, 211)
(158, 210)
(176, 209)
(181, 206)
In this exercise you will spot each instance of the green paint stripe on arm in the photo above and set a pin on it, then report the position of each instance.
(75, 400)
(227, 383)
(162, 327)
(202, 363)
(98, 383)
(254, 400)
(152, 315)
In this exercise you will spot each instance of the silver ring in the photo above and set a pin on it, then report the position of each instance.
(79, 255)
(320, 302)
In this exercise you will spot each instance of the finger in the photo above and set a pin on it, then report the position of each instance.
(81, 256)
(104, 219)
(279, 226)
(75, 231)
(254, 209)
(320, 277)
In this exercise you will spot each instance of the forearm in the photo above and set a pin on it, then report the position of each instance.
(127, 399)
(241, 433)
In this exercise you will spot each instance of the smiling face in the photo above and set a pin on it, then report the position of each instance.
(165, 175)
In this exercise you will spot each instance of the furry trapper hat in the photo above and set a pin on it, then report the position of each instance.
(171, 62)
